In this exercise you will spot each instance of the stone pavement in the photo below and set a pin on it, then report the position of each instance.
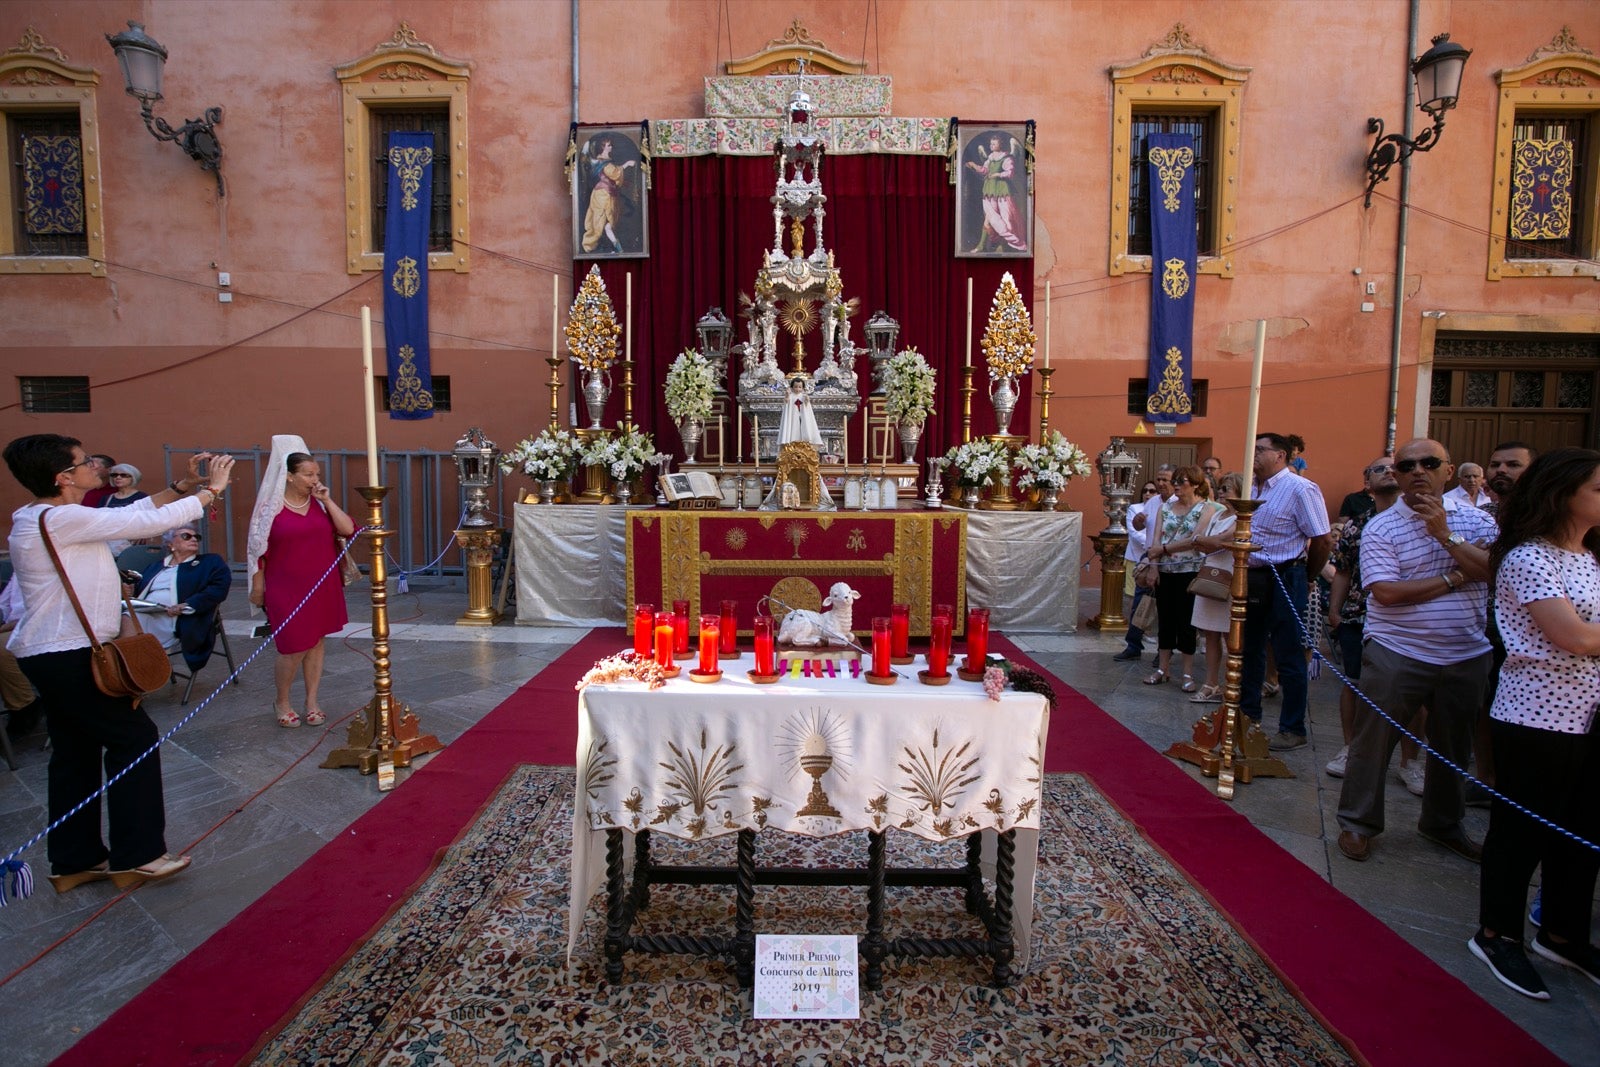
(233, 755)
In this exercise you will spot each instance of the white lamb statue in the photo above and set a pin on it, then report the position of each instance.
(811, 629)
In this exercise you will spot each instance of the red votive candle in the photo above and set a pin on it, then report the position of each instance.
(881, 642)
(709, 633)
(977, 638)
(729, 626)
(765, 664)
(899, 630)
(644, 618)
(947, 610)
(680, 627)
(665, 630)
(939, 646)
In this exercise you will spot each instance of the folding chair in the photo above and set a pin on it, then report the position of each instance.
(189, 676)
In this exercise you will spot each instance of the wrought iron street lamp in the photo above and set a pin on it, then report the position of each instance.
(142, 59)
(1437, 73)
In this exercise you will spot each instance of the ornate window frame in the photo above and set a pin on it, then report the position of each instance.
(1561, 76)
(402, 70)
(36, 77)
(1176, 74)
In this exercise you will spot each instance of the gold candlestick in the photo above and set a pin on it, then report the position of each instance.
(555, 390)
(1044, 401)
(627, 391)
(385, 735)
(966, 403)
(1224, 744)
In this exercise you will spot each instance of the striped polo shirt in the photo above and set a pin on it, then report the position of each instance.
(1292, 511)
(1397, 547)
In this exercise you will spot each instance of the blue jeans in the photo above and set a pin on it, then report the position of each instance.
(1269, 621)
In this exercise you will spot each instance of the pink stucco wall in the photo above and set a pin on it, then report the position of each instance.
(1318, 71)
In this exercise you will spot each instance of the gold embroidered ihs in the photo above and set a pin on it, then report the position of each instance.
(1175, 279)
(406, 281)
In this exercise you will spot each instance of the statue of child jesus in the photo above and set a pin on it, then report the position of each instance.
(799, 421)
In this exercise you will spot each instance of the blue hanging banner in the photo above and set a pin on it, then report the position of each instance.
(1173, 255)
(405, 271)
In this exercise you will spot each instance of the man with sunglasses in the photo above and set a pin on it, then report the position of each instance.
(1291, 528)
(1424, 565)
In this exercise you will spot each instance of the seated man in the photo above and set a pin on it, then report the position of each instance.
(191, 585)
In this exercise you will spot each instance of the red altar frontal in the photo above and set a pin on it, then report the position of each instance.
(916, 558)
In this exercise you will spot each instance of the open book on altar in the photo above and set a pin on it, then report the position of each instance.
(691, 489)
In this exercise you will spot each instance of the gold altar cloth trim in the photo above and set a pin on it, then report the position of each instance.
(790, 566)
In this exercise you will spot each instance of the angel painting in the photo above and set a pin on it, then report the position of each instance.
(996, 210)
(610, 208)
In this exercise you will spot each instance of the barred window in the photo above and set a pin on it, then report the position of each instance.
(1139, 390)
(434, 120)
(55, 395)
(47, 184)
(1197, 126)
(441, 392)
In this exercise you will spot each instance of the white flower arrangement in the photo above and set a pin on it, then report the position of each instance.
(624, 453)
(550, 457)
(978, 462)
(691, 386)
(908, 387)
(1052, 463)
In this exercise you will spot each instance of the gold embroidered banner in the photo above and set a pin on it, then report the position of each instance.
(1541, 190)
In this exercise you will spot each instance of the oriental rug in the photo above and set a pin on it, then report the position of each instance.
(1132, 964)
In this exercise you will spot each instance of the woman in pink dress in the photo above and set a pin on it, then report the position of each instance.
(293, 570)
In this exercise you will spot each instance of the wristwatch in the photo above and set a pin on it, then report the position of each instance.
(1454, 539)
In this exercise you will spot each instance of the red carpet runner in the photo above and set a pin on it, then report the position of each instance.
(1388, 1000)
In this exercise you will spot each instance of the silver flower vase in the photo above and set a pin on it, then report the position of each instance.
(970, 495)
(690, 430)
(1003, 395)
(596, 389)
(1047, 499)
(624, 492)
(547, 491)
(910, 434)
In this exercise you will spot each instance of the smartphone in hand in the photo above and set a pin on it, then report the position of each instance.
(132, 577)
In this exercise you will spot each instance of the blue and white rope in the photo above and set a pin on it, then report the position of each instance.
(401, 575)
(16, 879)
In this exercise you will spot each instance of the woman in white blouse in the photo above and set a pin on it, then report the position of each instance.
(1546, 743)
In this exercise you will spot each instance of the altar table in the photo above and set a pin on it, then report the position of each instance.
(572, 564)
(811, 756)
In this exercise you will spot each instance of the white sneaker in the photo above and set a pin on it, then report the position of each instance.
(1335, 767)
(1413, 775)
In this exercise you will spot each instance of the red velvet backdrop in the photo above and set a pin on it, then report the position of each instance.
(890, 223)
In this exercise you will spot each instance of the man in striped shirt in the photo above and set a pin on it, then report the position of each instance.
(1425, 565)
(1291, 528)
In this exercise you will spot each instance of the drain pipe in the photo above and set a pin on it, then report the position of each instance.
(575, 55)
(1402, 229)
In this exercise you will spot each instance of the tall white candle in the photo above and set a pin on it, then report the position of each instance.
(627, 324)
(738, 433)
(755, 441)
(555, 312)
(1255, 405)
(368, 401)
(1047, 324)
(722, 442)
(866, 438)
(969, 322)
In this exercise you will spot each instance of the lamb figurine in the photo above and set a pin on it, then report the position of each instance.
(811, 629)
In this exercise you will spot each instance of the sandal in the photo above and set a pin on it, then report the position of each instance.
(288, 719)
(1207, 694)
(1271, 689)
(161, 867)
(1188, 685)
(1156, 677)
(64, 882)
(315, 718)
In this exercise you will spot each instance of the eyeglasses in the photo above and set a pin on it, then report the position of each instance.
(121, 474)
(80, 463)
(1269, 448)
(1427, 463)
(186, 537)
(1379, 468)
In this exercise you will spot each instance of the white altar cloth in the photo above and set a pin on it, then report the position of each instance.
(699, 761)
(572, 566)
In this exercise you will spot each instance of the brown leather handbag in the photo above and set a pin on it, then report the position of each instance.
(128, 666)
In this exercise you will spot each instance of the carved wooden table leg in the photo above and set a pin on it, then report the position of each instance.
(974, 872)
(616, 908)
(640, 897)
(874, 947)
(744, 911)
(1000, 946)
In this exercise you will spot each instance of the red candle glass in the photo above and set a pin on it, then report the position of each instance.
(680, 628)
(977, 638)
(710, 630)
(665, 631)
(881, 642)
(939, 646)
(899, 631)
(644, 617)
(729, 626)
(947, 610)
(765, 663)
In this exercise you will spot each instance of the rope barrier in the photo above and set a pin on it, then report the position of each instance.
(402, 574)
(16, 878)
(1421, 743)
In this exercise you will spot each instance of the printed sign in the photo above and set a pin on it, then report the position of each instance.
(806, 976)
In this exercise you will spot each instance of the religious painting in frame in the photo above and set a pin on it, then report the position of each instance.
(994, 194)
(610, 195)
